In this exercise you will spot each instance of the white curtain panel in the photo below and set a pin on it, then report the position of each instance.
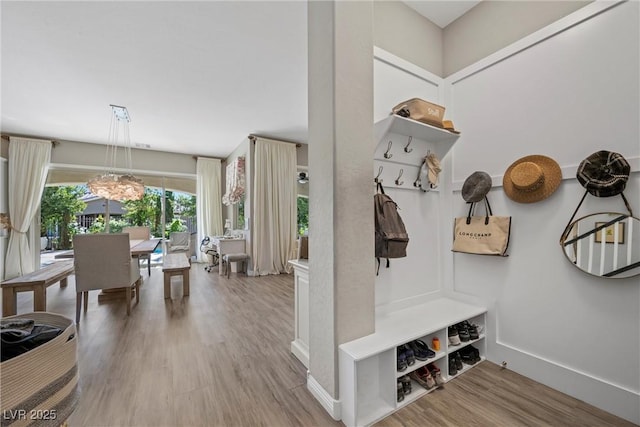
(208, 199)
(28, 166)
(275, 211)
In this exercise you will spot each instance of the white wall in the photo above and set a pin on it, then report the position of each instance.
(402, 31)
(417, 277)
(564, 94)
(500, 23)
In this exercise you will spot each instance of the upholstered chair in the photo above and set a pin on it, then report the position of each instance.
(103, 261)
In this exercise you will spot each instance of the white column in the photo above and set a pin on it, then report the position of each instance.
(341, 235)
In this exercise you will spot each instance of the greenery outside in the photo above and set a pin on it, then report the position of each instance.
(61, 206)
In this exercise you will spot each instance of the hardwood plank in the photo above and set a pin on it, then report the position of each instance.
(221, 358)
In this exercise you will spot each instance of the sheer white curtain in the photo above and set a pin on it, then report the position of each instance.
(275, 211)
(208, 199)
(28, 165)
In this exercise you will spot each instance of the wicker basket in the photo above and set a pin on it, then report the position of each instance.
(40, 387)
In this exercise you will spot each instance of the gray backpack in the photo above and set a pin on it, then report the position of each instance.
(391, 235)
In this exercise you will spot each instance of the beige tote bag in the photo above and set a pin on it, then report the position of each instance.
(482, 235)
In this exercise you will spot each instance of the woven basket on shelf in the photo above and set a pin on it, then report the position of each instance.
(40, 387)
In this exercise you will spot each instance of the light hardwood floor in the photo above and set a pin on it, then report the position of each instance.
(220, 357)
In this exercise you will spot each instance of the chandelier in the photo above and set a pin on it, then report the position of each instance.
(113, 184)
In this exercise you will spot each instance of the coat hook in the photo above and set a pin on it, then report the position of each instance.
(418, 182)
(387, 154)
(376, 180)
(398, 182)
(406, 147)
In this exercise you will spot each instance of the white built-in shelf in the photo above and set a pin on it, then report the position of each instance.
(368, 365)
(392, 135)
(402, 326)
(418, 130)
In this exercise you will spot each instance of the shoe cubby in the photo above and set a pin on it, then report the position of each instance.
(368, 372)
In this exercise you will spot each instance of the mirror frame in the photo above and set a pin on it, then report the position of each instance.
(571, 225)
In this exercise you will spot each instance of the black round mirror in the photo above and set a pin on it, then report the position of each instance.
(604, 244)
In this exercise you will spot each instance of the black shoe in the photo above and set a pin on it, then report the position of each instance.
(401, 363)
(463, 332)
(468, 356)
(473, 332)
(400, 396)
(458, 360)
(406, 384)
(454, 339)
(475, 352)
(453, 369)
(421, 350)
(409, 353)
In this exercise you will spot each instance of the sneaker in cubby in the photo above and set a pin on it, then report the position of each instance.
(453, 369)
(463, 332)
(454, 339)
(406, 384)
(435, 373)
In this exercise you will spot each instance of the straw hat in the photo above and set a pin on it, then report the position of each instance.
(476, 186)
(531, 179)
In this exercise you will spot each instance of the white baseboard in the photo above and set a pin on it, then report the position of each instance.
(330, 405)
(609, 397)
(300, 351)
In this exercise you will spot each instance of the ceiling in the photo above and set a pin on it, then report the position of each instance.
(196, 77)
(441, 13)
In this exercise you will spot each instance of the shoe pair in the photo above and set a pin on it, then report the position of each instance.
(435, 373)
(406, 357)
(421, 350)
(463, 331)
(454, 338)
(404, 387)
(455, 363)
(423, 376)
(470, 355)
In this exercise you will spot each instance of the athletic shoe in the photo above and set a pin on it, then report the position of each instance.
(406, 384)
(401, 364)
(423, 377)
(435, 373)
(400, 395)
(467, 355)
(453, 369)
(409, 354)
(463, 332)
(473, 332)
(421, 350)
(454, 339)
(458, 359)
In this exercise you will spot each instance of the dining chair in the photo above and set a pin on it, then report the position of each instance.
(103, 261)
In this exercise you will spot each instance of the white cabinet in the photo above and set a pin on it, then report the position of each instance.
(300, 343)
(368, 365)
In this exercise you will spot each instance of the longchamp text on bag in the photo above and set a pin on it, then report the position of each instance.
(482, 235)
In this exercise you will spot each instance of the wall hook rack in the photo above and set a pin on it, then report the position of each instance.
(398, 182)
(406, 147)
(387, 154)
(376, 179)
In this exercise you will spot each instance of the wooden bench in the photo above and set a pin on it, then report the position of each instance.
(37, 282)
(175, 265)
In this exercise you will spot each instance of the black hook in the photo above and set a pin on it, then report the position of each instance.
(376, 180)
(387, 154)
(406, 147)
(398, 182)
